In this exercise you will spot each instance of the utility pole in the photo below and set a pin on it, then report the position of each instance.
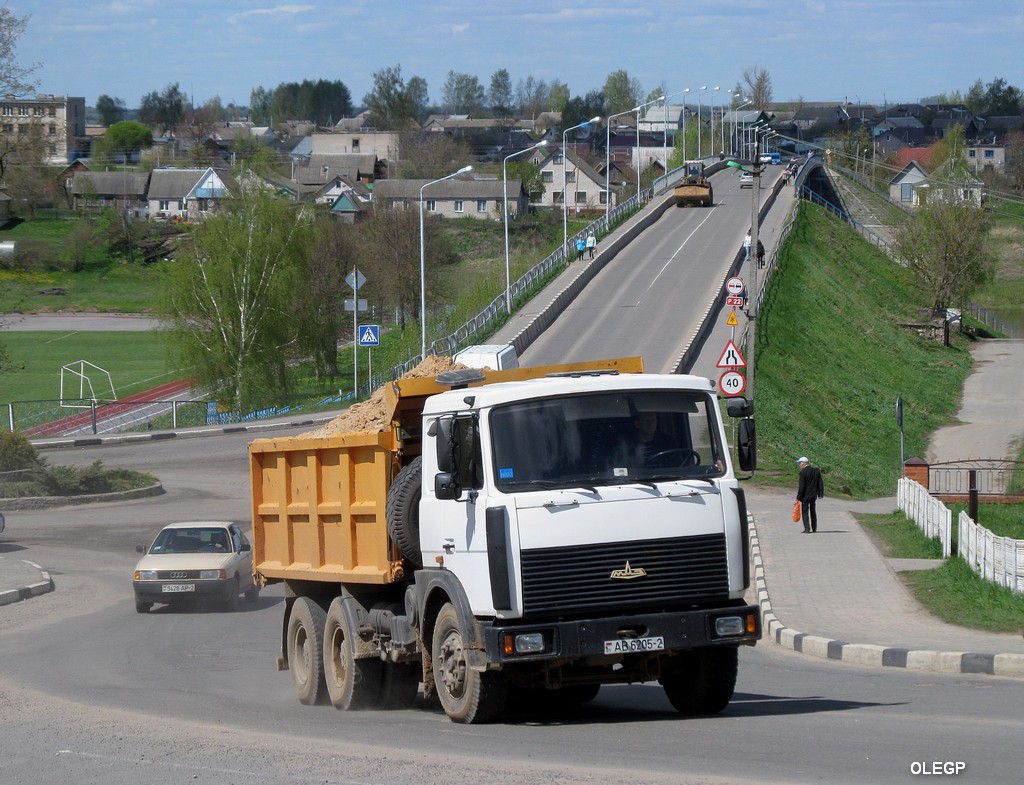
(755, 226)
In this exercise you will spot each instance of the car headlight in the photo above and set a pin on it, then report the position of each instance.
(211, 575)
(145, 575)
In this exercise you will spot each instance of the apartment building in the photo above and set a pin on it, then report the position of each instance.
(58, 120)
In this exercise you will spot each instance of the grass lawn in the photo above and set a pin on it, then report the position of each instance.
(952, 592)
(136, 361)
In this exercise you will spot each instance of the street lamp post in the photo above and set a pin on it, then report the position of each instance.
(423, 263)
(685, 92)
(699, 128)
(712, 143)
(504, 186)
(565, 203)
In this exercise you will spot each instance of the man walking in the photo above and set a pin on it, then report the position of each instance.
(811, 488)
(746, 247)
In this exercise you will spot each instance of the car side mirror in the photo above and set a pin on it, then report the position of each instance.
(140, 548)
(246, 547)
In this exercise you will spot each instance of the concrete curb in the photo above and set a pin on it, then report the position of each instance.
(44, 502)
(31, 590)
(1009, 665)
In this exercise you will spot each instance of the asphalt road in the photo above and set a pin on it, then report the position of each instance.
(92, 692)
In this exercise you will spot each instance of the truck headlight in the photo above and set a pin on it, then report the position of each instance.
(523, 643)
(728, 626)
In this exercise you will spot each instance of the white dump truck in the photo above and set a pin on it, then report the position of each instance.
(527, 533)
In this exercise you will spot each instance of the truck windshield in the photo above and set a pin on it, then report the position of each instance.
(606, 439)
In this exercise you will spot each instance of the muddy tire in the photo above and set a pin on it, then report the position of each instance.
(402, 511)
(306, 651)
(702, 681)
(467, 696)
(351, 683)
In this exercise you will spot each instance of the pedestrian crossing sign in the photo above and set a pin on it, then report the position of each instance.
(369, 335)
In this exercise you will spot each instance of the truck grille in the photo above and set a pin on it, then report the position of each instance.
(675, 571)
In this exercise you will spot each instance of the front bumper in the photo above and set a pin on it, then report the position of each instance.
(152, 591)
(574, 639)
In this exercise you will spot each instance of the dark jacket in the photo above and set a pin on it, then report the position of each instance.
(811, 485)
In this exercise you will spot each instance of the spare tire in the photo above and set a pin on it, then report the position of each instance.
(403, 511)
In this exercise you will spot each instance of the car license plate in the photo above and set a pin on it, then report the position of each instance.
(630, 645)
(169, 588)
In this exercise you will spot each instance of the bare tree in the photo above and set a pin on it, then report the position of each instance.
(759, 86)
(14, 78)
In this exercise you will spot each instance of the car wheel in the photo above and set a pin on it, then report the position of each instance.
(141, 606)
(252, 593)
(231, 598)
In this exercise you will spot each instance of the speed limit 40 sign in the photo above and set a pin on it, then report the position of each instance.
(732, 383)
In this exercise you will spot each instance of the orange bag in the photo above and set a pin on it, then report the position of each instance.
(796, 512)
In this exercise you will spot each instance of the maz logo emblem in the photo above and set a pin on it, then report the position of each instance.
(628, 574)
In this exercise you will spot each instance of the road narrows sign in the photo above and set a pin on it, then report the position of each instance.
(731, 357)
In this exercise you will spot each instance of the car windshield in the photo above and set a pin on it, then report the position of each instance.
(201, 539)
(606, 438)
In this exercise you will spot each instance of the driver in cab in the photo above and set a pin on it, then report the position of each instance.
(650, 441)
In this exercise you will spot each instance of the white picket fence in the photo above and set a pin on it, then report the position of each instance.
(996, 559)
(932, 517)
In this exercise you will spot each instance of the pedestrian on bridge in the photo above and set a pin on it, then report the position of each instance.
(746, 246)
(581, 247)
(591, 245)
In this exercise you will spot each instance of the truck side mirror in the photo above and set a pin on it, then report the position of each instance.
(746, 445)
(447, 486)
(446, 435)
(739, 407)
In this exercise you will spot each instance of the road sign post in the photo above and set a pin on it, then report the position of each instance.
(355, 279)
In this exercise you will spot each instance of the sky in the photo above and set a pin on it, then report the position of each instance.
(860, 51)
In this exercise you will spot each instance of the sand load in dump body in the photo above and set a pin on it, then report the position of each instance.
(694, 188)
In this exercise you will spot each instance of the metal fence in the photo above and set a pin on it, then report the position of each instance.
(69, 417)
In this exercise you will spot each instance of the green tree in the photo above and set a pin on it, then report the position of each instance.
(462, 94)
(110, 110)
(416, 94)
(621, 92)
(500, 95)
(323, 102)
(1002, 99)
(530, 176)
(390, 103)
(259, 106)
(165, 110)
(122, 141)
(334, 250)
(943, 244)
(583, 108)
(975, 98)
(558, 96)
(230, 298)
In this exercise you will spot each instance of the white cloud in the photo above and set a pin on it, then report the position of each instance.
(275, 11)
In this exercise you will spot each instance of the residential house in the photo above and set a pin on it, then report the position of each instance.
(124, 190)
(455, 198)
(985, 156)
(362, 156)
(185, 193)
(903, 188)
(584, 184)
(59, 120)
(952, 182)
(352, 202)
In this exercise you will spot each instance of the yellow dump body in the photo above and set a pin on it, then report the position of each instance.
(319, 503)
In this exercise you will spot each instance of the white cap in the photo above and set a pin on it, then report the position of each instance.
(802, 460)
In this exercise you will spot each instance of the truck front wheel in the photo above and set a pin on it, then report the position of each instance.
(351, 683)
(466, 695)
(306, 650)
(701, 681)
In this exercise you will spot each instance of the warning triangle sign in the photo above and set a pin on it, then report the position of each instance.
(731, 357)
(732, 321)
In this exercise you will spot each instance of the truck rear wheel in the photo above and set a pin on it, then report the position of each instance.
(701, 681)
(306, 650)
(351, 683)
(402, 510)
(466, 695)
